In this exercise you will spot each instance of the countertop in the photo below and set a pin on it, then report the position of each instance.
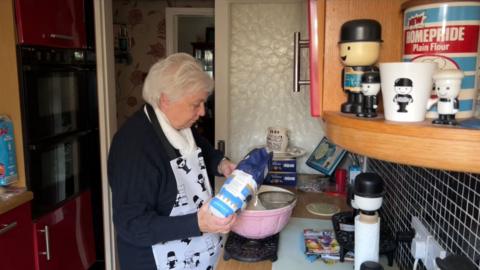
(303, 199)
(14, 201)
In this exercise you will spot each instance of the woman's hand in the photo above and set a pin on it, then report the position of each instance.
(226, 167)
(207, 222)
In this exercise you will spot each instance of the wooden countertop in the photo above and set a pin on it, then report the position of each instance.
(303, 199)
(14, 201)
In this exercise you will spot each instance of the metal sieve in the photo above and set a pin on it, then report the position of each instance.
(276, 199)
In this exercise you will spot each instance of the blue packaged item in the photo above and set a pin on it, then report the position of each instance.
(353, 171)
(242, 184)
(282, 178)
(284, 165)
(8, 159)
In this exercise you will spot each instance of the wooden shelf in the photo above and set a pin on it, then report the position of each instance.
(418, 144)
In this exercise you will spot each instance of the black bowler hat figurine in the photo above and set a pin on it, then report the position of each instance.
(370, 89)
(359, 50)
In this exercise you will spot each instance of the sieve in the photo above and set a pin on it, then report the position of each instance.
(275, 199)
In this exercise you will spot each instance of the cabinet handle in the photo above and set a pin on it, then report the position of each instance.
(7, 227)
(297, 45)
(58, 36)
(47, 243)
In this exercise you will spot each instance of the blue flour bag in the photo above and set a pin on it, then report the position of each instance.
(8, 159)
(242, 183)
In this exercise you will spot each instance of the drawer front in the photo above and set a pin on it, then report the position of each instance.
(16, 248)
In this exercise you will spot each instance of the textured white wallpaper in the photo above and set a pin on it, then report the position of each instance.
(261, 78)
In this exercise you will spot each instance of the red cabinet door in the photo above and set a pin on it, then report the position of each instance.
(315, 81)
(16, 242)
(64, 238)
(54, 23)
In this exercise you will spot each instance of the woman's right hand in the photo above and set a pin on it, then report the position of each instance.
(209, 223)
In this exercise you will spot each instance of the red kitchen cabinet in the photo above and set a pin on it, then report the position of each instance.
(64, 238)
(16, 242)
(53, 23)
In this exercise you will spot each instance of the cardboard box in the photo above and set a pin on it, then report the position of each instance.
(284, 165)
(281, 178)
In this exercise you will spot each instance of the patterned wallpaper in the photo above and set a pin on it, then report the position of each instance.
(261, 77)
(145, 23)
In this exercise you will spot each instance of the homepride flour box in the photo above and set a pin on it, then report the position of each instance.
(8, 159)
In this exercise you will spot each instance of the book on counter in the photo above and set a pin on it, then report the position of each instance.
(321, 242)
(326, 157)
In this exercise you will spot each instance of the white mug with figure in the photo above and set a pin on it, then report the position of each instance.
(406, 87)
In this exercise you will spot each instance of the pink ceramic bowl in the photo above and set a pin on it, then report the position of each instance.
(256, 223)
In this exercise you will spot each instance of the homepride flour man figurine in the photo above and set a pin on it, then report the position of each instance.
(157, 170)
(359, 51)
(447, 86)
(370, 89)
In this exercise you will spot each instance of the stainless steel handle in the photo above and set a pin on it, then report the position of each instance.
(297, 45)
(47, 243)
(7, 227)
(65, 37)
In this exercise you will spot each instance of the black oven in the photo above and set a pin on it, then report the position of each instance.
(60, 123)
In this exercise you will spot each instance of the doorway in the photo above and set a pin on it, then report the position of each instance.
(191, 30)
(183, 25)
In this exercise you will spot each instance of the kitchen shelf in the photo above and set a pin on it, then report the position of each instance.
(418, 144)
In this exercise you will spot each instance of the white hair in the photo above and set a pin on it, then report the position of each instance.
(175, 76)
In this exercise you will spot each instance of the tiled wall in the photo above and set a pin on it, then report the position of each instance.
(447, 203)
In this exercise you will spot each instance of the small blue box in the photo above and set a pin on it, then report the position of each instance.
(284, 165)
(8, 158)
(281, 178)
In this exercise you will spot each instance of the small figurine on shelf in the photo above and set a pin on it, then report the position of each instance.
(447, 86)
(359, 50)
(370, 89)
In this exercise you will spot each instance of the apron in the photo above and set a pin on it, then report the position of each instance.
(193, 185)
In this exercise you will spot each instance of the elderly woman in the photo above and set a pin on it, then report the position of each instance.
(158, 171)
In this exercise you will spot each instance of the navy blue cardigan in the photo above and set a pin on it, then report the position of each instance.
(144, 190)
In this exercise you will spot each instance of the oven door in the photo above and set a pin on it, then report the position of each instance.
(60, 169)
(55, 101)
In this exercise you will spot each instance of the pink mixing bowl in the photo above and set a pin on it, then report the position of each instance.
(257, 223)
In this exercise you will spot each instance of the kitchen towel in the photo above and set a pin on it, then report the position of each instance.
(291, 248)
(367, 238)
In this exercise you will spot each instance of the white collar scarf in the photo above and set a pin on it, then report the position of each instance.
(182, 140)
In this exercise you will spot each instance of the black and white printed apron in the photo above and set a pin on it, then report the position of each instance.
(194, 190)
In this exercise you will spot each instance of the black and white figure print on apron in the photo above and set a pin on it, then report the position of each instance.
(194, 190)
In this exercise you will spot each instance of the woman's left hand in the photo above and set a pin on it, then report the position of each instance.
(226, 167)
(208, 222)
